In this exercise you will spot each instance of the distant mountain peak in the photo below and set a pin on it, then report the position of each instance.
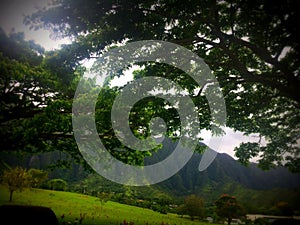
(224, 168)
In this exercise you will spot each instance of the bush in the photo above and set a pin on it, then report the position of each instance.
(58, 184)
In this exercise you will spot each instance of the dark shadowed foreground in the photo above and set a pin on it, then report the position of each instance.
(285, 222)
(33, 215)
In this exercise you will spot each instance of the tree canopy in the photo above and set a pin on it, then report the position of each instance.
(194, 206)
(251, 46)
(229, 208)
(16, 179)
(34, 98)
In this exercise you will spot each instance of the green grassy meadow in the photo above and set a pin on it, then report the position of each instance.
(71, 205)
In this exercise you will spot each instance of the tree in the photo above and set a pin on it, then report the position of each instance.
(181, 210)
(36, 102)
(35, 99)
(16, 179)
(103, 197)
(228, 207)
(252, 48)
(194, 206)
(37, 177)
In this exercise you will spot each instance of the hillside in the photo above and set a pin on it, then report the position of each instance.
(224, 169)
(69, 207)
(258, 189)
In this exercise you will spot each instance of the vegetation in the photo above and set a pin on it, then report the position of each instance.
(37, 177)
(194, 207)
(251, 47)
(229, 208)
(34, 97)
(103, 198)
(263, 202)
(16, 179)
(58, 184)
(258, 194)
(283, 208)
(69, 207)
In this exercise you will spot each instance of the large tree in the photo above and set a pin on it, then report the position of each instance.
(251, 46)
(194, 206)
(228, 207)
(37, 89)
(36, 94)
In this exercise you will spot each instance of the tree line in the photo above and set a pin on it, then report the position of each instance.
(225, 208)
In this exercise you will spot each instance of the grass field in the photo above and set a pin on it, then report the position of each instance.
(71, 205)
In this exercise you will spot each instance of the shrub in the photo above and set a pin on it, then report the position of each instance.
(58, 184)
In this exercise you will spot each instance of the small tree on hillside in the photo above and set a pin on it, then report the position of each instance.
(38, 177)
(194, 206)
(181, 210)
(228, 207)
(103, 197)
(16, 179)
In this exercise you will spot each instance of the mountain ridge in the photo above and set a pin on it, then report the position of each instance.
(252, 186)
(225, 167)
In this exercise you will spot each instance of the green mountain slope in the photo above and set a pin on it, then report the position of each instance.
(70, 207)
(257, 189)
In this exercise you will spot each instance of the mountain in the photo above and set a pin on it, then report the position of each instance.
(252, 186)
(258, 190)
(223, 169)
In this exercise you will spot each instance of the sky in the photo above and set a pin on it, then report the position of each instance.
(11, 17)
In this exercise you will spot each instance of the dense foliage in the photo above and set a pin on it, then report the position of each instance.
(194, 206)
(251, 46)
(229, 208)
(15, 179)
(35, 99)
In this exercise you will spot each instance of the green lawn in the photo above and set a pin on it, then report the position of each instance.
(71, 205)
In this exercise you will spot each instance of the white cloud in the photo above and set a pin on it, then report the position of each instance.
(228, 142)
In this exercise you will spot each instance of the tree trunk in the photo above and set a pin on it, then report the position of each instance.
(10, 195)
(229, 221)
